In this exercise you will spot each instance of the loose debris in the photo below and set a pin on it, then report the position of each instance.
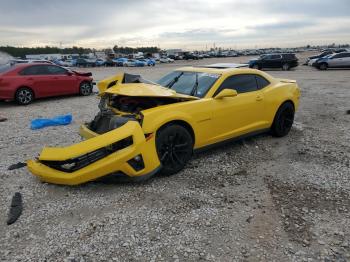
(55, 121)
(348, 112)
(3, 119)
(15, 209)
(17, 166)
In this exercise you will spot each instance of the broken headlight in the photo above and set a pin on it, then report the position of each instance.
(79, 162)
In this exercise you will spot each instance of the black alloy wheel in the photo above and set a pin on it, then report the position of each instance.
(24, 96)
(85, 88)
(283, 121)
(174, 147)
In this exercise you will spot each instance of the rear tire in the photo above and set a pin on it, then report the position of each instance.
(85, 89)
(24, 96)
(285, 67)
(283, 121)
(174, 146)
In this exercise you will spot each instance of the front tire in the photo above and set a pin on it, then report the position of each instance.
(24, 96)
(174, 146)
(85, 89)
(323, 66)
(283, 121)
(256, 66)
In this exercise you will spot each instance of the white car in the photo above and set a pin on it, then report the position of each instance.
(166, 60)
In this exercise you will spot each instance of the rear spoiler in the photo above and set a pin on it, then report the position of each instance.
(83, 73)
(286, 80)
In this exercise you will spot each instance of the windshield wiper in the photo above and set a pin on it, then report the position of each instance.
(175, 80)
(195, 87)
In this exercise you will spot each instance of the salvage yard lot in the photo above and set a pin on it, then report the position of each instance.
(260, 199)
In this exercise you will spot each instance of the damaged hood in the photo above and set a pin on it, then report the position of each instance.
(134, 85)
(146, 90)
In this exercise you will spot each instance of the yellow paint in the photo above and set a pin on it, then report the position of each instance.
(211, 119)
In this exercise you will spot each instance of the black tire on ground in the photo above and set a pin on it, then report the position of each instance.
(323, 66)
(85, 88)
(283, 120)
(256, 66)
(285, 67)
(174, 146)
(24, 96)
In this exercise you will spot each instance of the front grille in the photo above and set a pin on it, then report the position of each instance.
(80, 162)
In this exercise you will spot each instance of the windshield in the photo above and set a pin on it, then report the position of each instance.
(189, 83)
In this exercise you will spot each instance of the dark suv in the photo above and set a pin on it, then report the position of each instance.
(284, 61)
(188, 56)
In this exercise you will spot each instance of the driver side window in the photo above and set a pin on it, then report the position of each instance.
(240, 83)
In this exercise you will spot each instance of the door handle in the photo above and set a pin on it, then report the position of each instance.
(259, 98)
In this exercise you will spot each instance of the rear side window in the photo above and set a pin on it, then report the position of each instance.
(34, 70)
(56, 70)
(341, 55)
(261, 82)
(275, 57)
(289, 56)
(240, 83)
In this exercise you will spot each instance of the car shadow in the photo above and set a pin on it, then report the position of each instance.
(114, 181)
(9, 104)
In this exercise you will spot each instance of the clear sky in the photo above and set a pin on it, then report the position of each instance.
(174, 23)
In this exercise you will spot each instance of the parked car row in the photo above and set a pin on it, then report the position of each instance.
(330, 59)
(134, 62)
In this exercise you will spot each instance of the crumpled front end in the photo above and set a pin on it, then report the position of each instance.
(124, 150)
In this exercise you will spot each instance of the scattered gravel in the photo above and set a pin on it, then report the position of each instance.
(260, 199)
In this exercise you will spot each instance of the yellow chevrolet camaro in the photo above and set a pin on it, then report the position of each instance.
(144, 127)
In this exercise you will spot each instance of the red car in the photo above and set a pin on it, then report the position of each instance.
(24, 82)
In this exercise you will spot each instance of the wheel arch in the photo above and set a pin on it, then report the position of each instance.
(24, 86)
(284, 102)
(323, 63)
(182, 123)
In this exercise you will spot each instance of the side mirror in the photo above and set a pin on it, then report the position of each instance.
(226, 93)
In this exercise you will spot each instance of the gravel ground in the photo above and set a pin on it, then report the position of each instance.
(260, 199)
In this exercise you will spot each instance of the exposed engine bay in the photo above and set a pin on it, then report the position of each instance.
(135, 105)
(117, 110)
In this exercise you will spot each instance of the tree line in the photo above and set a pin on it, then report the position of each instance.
(131, 50)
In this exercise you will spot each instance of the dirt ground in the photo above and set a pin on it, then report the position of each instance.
(260, 199)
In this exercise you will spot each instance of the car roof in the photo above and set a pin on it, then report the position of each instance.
(225, 65)
(210, 70)
(227, 71)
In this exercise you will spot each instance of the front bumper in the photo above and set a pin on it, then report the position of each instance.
(115, 162)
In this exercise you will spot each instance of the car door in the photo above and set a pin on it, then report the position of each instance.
(335, 61)
(62, 81)
(276, 61)
(347, 61)
(35, 76)
(344, 60)
(236, 116)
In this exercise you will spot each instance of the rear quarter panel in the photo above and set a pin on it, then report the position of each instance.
(276, 94)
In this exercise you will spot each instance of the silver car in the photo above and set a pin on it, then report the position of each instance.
(340, 60)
